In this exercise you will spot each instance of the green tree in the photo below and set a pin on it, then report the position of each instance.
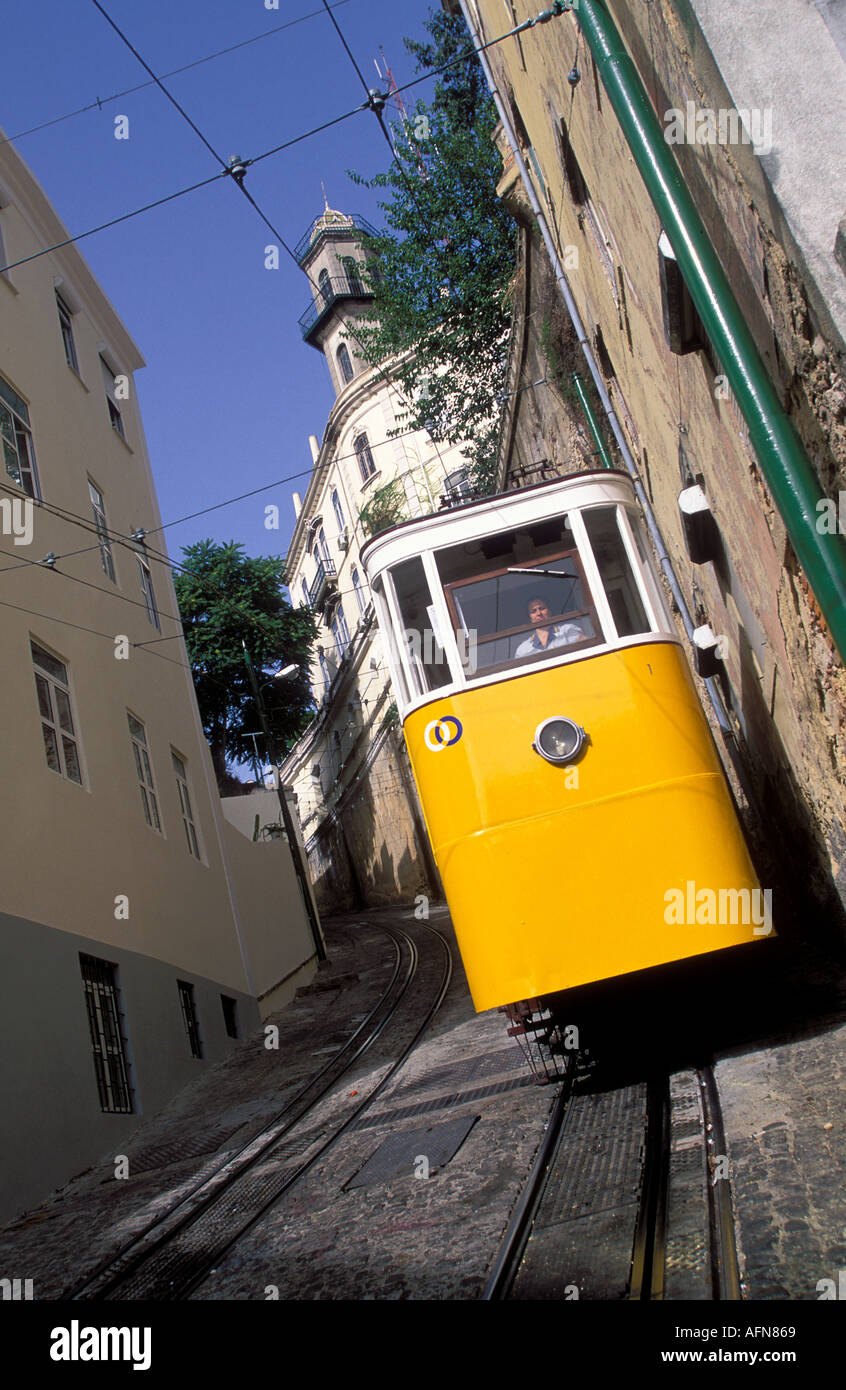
(443, 265)
(227, 598)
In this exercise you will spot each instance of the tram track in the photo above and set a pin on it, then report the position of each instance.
(175, 1253)
(661, 1228)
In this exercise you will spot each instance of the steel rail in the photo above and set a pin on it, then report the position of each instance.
(647, 1276)
(269, 1129)
(725, 1275)
(199, 1275)
(194, 1270)
(505, 1266)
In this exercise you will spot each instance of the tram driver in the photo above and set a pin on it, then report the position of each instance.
(556, 635)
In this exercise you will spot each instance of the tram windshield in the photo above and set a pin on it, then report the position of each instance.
(548, 590)
(519, 595)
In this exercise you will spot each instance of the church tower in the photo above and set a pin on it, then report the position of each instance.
(332, 255)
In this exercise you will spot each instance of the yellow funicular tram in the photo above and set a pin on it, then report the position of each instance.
(578, 811)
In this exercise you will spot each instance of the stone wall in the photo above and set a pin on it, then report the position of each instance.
(785, 679)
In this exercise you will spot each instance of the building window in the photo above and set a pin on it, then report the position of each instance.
(339, 511)
(458, 487)
(359, 591)
(683, 328)
(149, 800)
(304, 586)
(340, 631)
(115, 417)
(108, 1041)
(148, 592)
(99, 510)
(576, 185)
(345, 366)
(324, 669)
(189, 1017)
(185, 804)
(54, 705)
(66, 325)
(18, 453)
(365, 458)
(324, 286)
(230, 1015)
(319, 547)
(353, 273)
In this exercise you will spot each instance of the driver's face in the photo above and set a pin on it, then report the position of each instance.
(538, 610)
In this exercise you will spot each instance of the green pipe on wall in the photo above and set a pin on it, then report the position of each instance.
(786, 468)
(592, 421)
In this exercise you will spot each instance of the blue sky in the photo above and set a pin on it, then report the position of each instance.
(230, 392)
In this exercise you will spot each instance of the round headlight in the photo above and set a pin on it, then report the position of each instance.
(559, 740)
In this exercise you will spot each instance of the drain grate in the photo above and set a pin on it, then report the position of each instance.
(424, 1107)
(508, 1059)
(400, 1155)
(163, 1155)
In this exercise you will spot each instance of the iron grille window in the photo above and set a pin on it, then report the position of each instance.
(189, 1017)
(18, 453)
(149, 800)
(148, 592)
(364, 456)
(230, 1015)
(54, 706)
(66, 325)
(99, 508)
(108, 1041)
(185, 804)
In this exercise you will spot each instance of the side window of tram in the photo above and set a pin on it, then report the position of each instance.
(519, 595)
(616, 572)
(423, 652)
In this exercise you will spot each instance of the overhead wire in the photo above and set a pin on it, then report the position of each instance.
(225, 170)
(237, 169)
(256, 159)
(100, 102)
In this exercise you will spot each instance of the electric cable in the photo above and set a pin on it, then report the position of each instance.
(238, 168)
(100, 102)
(276, 149)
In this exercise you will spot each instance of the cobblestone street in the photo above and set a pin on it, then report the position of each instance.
(405, 1223)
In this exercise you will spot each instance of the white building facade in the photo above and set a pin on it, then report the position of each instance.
(141, 933)
(363, 829)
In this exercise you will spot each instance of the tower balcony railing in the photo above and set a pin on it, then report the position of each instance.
(320, 583)
(330, 291)
(337, 225)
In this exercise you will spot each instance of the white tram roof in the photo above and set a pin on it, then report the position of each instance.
(503, 512)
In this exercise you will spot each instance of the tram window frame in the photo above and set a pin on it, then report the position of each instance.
(524, 629)
(426, 660)
(387, 618)
(632, 526)
(620, 592)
